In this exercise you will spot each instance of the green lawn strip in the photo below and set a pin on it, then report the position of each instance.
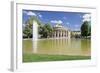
(45, 57)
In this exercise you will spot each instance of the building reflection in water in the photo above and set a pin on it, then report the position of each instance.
(61, 47)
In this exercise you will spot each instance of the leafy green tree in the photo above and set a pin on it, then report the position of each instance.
(85, 29)
(27, 32)
(50, 29)
(46, 31)
(28, 29)
(89, 30)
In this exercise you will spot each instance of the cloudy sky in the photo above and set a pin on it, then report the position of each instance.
(71, 20)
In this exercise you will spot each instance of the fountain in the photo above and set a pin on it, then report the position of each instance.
(35, 36)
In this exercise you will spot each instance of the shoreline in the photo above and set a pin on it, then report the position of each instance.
(57, 38)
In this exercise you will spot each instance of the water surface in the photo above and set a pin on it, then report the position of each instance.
(80, 47)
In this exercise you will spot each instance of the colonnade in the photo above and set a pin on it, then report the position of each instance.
(61, 33)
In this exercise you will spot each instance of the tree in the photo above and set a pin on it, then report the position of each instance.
(49, 29)
(46, 31)
(28, 29)
(85, 29)
(89, 30)
(43, 30)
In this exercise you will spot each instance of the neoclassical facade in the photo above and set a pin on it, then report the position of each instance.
(61, 32)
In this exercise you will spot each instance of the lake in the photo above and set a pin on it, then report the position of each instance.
(81, 47)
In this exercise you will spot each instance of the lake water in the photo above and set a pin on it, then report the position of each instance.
(58, 46)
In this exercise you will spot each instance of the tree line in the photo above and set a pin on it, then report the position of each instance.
(46, 30)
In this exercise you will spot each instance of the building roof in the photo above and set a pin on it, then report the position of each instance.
(60, 27)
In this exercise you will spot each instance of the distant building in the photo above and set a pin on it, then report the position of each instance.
(76, 33)
(61, 32)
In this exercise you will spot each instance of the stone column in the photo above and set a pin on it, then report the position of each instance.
(63, 33)
(57, 33)
(60, 33)
(66, 34)
(69, 34)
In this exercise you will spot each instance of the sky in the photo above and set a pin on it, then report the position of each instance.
(71, 20)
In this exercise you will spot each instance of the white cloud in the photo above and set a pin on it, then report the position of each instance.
(40, 15)
(79, 15)
(56, 21)
(86, 17)
(30, 13)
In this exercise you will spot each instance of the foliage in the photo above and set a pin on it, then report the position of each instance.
(89, 31)
(46, 31)
(85, 29)
(27, 31)
(43, 30)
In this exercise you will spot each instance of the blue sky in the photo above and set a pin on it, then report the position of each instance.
(71, 20)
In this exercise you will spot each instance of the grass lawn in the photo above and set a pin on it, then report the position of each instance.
(44, 57)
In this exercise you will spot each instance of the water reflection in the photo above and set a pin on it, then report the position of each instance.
(62, 46)
(35, 46)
